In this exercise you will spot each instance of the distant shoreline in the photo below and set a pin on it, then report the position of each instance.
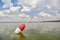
(52, 21)
(31, 21)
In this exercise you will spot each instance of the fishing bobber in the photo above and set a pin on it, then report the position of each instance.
(20, 28)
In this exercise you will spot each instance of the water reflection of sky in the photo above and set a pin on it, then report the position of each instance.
(33, 31)
(20, 36)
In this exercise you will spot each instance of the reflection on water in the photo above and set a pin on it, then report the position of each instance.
(33, 31)
(20, 36)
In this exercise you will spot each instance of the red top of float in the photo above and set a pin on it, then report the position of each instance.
(21, 27)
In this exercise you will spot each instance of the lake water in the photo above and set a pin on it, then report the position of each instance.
(33, 31)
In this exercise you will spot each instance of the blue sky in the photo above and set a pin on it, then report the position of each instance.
(12, 1)
(44, 9)
(1, 4)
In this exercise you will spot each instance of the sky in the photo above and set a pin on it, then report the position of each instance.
(38, 9)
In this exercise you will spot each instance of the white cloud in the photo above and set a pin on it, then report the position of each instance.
(6, 11)
(11, 11)
(30, 3)
(23, 15)
(44, 14)
(49, 4)
(58, 16)
(14, 9)
(47, 16)
(55, 3)
(35, 17)
(7, 3)
(25, 9)
(49, 7)
(1, 13)
(27, 16)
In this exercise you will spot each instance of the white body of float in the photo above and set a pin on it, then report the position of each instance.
(17, 30)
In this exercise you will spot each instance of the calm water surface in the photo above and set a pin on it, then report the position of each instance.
(33, 31)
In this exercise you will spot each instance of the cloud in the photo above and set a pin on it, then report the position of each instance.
(35, 18)
(55, 3)
(23, 15)
(27, 15)
(44, 14)
(25, 9)
(1, 13)
(14, 9)
(58, 16)
(30, 3)
(6, 11)
(50, 4)
(49, 7)
(7, 3)
(11, 11)
(44, 9)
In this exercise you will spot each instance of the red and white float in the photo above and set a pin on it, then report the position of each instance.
(20, 28)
